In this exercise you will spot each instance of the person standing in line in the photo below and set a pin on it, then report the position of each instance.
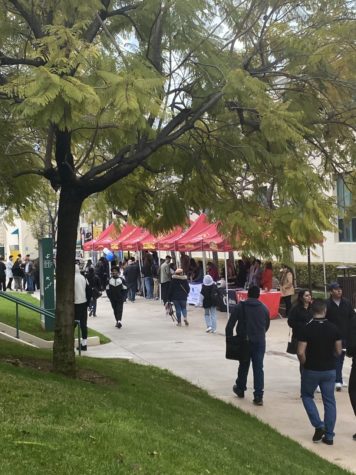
(267, 276)
(254, 316)
(148, 276)
(340, 312)
(131, 275)
(178, 294)
(9, 274)
(287, 287)
(318, 347)
(115, 291)
(81, 306)
(351, 353)
(165, 278)
(2, 274)
(209, 293)
(29, 274)
(18, 274)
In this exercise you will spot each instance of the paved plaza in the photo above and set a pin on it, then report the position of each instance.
(148, 336)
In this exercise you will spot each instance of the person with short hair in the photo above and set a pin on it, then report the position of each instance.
(319, 345)
(253, 316)
(340, 312)
(9, 274)
(115, 291)
(29, 271)
(131, 275)
(165, 273)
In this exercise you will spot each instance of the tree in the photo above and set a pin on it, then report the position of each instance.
(169, 104)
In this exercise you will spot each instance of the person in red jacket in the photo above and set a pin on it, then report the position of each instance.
(267, 275)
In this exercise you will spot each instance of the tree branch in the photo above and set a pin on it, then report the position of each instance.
(32, 21)
(7, 61)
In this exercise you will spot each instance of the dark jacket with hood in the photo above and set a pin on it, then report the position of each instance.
(115, 289)
(257, 320)
(178, 288)
(340, 315)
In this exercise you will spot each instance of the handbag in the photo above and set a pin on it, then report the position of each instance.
(292, 346)
(96, 293)
(238, 346)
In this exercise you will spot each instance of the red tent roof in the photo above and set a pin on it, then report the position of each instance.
(170, 242)
(126, 232)
(133, 242)
(209, 239)
(106, 237)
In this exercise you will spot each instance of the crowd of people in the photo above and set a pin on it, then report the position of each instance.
(19, 274)
(324, 332)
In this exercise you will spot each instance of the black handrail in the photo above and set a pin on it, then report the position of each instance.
(42, 311)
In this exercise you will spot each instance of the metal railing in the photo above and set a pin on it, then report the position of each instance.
(30, 306)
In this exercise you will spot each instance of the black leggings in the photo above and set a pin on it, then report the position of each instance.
(352, 385)
(117, 306)
(81, 314)
(288, 303)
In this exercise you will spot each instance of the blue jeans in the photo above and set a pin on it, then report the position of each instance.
(131, 292)
(210, 317)
(257, 353)
(29, 283)
(181, 309)
(326, 381)
(148, 287)
(340, 364)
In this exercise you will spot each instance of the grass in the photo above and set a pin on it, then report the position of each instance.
(30, 321)
(140, 420)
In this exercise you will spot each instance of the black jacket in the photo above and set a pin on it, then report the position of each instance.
(210, 294)
(2, 270)
(115, 289)
(132, 273)
(351, 340)
(178, 288)
(340, 315)
(257, 320)
(298, 317)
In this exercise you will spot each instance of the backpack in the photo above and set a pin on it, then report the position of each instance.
(214, 295)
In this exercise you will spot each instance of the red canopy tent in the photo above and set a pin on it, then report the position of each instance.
(133, 242)
(126, 232)
(209, 239)
(170, 242)
(106, 238)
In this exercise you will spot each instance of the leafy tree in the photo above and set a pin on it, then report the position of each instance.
(231, 106)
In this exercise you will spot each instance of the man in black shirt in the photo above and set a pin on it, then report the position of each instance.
(319, 345)
(339, 311)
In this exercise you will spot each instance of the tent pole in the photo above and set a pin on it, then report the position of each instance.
(324, 271)
(159, 276)
(227, 287)
(204, 257)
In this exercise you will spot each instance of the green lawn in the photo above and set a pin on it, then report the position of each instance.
(30, 321)
(139, 420)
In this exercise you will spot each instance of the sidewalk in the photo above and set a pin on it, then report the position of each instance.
(149, 337)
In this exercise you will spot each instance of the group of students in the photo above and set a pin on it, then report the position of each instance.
(21, 272)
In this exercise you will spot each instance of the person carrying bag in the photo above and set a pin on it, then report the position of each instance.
(252, 320)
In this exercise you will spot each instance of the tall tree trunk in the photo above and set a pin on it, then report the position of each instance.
(68, 217)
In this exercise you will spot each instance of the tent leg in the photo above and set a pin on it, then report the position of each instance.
(227, 287)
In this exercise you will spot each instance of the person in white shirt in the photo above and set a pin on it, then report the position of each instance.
(9, 274)
(81, 305)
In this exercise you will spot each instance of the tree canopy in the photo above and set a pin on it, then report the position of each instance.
(245, 109)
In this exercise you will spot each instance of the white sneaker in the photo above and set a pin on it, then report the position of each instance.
(338, 386)
(213, 331)
(208, 330)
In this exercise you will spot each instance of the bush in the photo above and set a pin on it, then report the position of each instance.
(317, 274)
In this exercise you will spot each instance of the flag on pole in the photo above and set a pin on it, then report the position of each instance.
(16, 231)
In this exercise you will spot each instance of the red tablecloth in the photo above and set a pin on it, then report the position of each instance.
(270, 299)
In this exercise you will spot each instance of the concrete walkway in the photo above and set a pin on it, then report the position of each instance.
(149, 337)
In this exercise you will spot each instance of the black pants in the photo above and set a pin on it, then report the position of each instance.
(352, 385)
(164, 291)
(117, 306)
(288, 303)
(3, 284)
(81, 314)
(9, 284)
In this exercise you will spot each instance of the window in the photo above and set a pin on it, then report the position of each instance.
(347, 227)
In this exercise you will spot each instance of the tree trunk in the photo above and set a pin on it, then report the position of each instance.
(68, 217)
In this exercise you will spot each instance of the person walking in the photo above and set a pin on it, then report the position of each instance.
(300, 314)
(131, 275)
(165, 274)
(340, 312)
(81, 306)
(2, 274)
(18, 274)
(351, 353)
(178, 294)
(252, 315)
(209, 293)
(115, 291)
(95, 285)
(320, 343)
(9, 274)
(287, 287)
